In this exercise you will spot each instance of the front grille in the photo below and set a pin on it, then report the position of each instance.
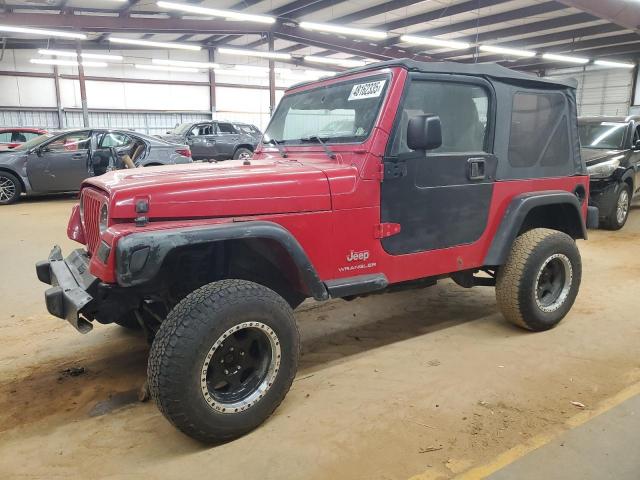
(92, 201)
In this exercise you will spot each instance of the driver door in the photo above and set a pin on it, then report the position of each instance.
(61, 164)
(440, 197)
(635, 156)
(202, 141)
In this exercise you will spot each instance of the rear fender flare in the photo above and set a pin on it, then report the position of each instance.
(140, 256)
(516, 214)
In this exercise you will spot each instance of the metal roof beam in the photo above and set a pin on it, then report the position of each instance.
(621, 12)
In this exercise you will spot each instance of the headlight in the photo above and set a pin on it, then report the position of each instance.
(104, 218)
(604, 169)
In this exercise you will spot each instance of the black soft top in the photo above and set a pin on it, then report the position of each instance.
(490, 70)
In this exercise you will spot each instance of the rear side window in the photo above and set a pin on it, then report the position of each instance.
(539, 131)
(5, 137)
(226, 128)
(462, 109)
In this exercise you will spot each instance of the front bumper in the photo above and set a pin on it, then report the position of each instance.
(604, 195)
(71, 284)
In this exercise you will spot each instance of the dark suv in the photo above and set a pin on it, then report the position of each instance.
(216, 140)
(388, 177)
(611, 149)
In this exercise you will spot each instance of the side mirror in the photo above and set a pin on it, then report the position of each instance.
(424, 132)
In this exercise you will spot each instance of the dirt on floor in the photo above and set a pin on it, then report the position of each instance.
(428, 382)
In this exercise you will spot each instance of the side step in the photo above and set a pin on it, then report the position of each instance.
(353, 286)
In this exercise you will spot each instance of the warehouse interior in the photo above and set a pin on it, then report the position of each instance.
(406, 383)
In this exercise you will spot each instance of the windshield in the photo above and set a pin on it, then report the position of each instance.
(605, 135)
(34, 142)
(342, 112)
(182, 129)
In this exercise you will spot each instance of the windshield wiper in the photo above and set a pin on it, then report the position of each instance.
(273, 141)
(315, 138)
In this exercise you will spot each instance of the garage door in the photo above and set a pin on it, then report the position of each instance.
(601, 91)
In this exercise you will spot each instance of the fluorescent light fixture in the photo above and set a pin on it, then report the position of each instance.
(507, 51)
(66, 63)
(214, 12)
(65, 53)
(564, 58)
(40, 31)
(180, 63)
(436, 42)
(147, 43)
(355, 32)
(166, 68)
(335, 61)
(254, 53)
(609, 63)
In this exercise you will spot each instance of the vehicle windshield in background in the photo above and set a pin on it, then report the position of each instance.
(606, 135)
(34, 142)
(182, 129)
(342, 112)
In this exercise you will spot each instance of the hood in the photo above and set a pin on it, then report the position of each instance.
(225, 189)
(593, 156)
(171, 138)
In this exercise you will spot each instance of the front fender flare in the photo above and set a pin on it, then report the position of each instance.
(516, 213)
(139, 256)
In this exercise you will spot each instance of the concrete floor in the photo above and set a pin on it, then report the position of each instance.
(426, 384)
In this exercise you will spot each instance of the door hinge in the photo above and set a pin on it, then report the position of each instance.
(384, 230)
(394, 170)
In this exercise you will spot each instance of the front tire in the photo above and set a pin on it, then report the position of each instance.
(224, 359)
(10, 188)
(538, 284)
(242, 153)
(620, 211)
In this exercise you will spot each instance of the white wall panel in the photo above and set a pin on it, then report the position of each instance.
(166, 97)
(601, 91)
(70, 94)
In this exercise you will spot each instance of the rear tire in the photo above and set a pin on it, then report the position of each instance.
(242, 153)
(10, 188)
(619, 214)
(224, 359)
(538, 284)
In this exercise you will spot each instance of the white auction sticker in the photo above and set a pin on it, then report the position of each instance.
(366, 90)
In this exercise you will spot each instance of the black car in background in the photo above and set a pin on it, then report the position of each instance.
(610, 147)
(216, 140)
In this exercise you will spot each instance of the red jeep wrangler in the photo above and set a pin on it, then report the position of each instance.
(386, 177)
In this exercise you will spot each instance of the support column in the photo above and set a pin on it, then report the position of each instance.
(83, 87)
(212, 85)
(56, 81)
(272, 79)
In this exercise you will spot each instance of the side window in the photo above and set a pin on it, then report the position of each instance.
(71, 142)
(5, 137)
(462, 109)
(636, 135)
(200, 130)
(116, 140)
(30, 135)
(18, 137)
(539, 132)
(226, 128)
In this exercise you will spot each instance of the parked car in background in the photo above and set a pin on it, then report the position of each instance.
(216, 140)
(11, 138)
(59, 163)
(610, 147)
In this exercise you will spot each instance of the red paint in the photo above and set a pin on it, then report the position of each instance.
(332, 207)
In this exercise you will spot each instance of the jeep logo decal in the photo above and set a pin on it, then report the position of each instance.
(358, 256)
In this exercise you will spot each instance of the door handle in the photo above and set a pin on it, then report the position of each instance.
(476, 169)
(78, 156)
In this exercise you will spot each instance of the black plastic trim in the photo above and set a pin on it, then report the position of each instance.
(515, 215)
(162, 242)
(346, 287)
(593, 217)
